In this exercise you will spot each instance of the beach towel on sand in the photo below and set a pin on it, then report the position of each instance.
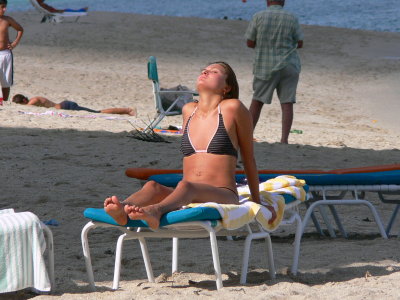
(270, 213)
(22, 245)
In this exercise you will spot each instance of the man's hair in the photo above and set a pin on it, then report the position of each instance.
(18, 98)
(231, 80)
(3, 2)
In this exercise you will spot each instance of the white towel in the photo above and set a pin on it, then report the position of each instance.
(22, 245)
(270, 213)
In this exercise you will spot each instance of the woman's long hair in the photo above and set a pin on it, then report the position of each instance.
(231, 80)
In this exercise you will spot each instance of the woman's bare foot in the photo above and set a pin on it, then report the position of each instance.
(132, 111)
(115, 209)
(151, 214)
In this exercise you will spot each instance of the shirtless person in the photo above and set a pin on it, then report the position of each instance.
(69, 105)
(55, 10)
(6, 57)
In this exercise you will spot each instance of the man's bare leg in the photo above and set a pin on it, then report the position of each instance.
(255, 110)
(6, 93)
(120, 111)
(287, 120)
(184, 194)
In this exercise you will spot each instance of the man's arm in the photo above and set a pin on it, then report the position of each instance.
(20, 32)
(251, 44)
(50, 8)
(251, 33)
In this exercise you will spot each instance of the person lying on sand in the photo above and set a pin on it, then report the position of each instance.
(215, 128)
(69, 105)
(55, 10)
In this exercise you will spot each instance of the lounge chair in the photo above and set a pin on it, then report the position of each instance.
(197, 222)
(56, 17)
(23, 239)
(161, 112)
(384, 180)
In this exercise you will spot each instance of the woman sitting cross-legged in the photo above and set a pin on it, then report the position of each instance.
(215, 128)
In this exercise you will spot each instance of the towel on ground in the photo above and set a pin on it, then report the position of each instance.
(22, 245)
(270, 213)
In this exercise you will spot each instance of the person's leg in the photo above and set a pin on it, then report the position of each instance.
(287, 120)
(255, 110)
(120, 111)
(286, 89)
(263, 91)
(7, 67)
(6, 93)
(184, 194)
(151, 193)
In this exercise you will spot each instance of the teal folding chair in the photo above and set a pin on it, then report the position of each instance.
(161, 112)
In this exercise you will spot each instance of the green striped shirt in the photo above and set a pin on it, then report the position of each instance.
(276, 33)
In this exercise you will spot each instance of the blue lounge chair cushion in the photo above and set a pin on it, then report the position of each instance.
(173, 217)
(372, 178)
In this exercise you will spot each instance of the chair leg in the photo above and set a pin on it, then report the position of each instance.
(146, 259)
(337, 221)
(392, 218)
(117, 267)
(50, 247)
(315, 221)
(175, 248)
(346, 202)
(377, 219)
(328, 224)
(245, 261)
(157, 119)
(86, 253)
(215, 255)
(270, 253)
(297, 241)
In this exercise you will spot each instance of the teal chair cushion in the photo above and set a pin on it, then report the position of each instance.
(173, 217)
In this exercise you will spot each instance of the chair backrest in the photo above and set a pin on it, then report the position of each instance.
(39, 8)
(152, 73)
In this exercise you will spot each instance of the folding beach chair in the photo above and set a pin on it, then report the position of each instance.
(161, 112)
(197, 222)
(56, 17)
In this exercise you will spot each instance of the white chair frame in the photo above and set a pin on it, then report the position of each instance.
(198, 229)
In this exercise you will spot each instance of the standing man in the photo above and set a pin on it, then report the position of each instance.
(6, 57)
(275, 35)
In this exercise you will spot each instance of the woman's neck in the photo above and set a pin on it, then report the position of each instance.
(208, 102)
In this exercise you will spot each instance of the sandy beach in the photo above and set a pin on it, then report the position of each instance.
(348, 107)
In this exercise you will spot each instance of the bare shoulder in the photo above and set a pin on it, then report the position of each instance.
(233, 105)
(188, 108)
(8, 19)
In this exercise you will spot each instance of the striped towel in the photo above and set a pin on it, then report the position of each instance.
(22, 245)
(269, 215)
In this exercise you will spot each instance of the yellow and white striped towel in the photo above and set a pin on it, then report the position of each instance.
(22, 245)
(269, 215)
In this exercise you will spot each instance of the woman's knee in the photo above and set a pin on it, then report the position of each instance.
(184, 185)
(152, 185)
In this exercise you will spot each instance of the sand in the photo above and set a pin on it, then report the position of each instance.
(56, 167)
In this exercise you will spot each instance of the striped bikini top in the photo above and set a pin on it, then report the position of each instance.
(220, 143)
